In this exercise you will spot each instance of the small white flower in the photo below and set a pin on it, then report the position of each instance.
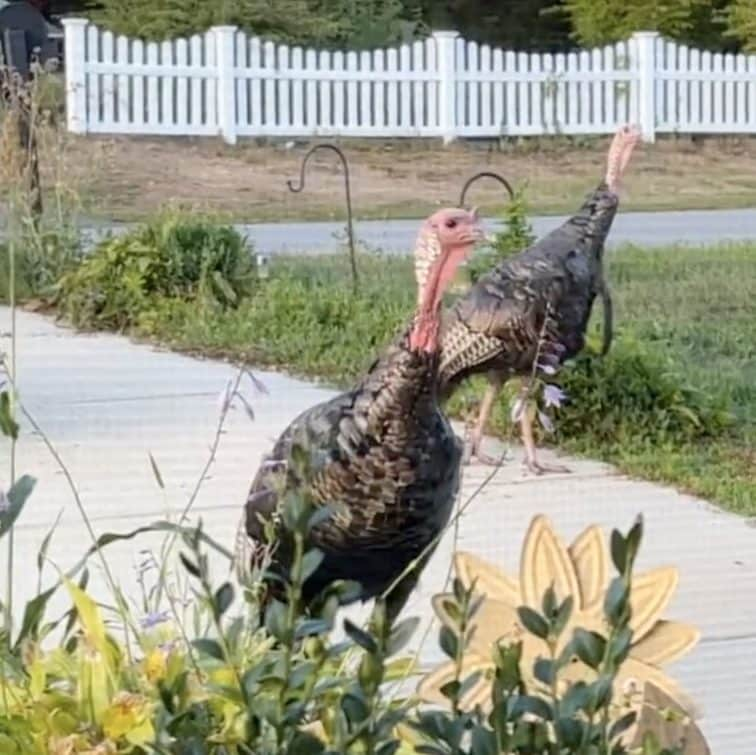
(547, 369)
(546, 422)
(553, 395)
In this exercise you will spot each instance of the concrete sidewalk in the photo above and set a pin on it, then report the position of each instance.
(107, 403)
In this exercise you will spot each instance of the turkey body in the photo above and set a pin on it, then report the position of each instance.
(386, 459)
(536, 304)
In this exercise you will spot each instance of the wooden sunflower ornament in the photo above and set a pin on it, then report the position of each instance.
(582, 571)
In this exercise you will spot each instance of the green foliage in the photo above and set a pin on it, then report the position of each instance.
(516, 236)
(741, 23)
(635, 395)
(182, 258)
(304, 317)
(600, 22)
(347, 23)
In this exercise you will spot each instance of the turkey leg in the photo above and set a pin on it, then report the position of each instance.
(473, 450)
(530, 461)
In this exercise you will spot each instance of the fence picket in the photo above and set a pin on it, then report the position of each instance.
(366, 116)
(182, 85)
(338, 91)
(137, 85)
(93, 78)
(284, 87)
(418, 88)
(379, 89)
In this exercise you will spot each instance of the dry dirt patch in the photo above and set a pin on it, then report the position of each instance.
(124, 178)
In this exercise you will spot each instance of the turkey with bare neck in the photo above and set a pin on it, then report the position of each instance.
(536, 304)
(383, 455)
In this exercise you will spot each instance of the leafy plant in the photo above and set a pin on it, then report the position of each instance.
(600, 22)
(515, 237)
(740, 17)
(174, 256)
(636, 395)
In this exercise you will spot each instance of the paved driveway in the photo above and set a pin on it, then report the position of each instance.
(107, 403)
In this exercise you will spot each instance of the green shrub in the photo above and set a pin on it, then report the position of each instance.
(516, 236)
(600, 22)
(635, 394)
(174, 256)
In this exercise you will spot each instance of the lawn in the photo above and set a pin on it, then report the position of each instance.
(675, 401)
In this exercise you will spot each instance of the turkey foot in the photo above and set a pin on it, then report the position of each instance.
(530, 460)
(472, 447)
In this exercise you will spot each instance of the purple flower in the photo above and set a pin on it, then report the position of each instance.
(553, 396)
(154, 619)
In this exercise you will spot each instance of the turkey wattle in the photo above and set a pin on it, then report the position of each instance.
(383, 454)
(542, 296)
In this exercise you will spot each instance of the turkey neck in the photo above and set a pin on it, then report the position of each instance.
(586, 231)
(401, 387)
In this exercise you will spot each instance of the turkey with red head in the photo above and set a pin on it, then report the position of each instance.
(382, 456)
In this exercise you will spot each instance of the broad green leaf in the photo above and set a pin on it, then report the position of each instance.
(15, 500)
(223, 598)
(449, 642)
(360, 637)
(589, 647)
(8, 425)
(209, 647)
(310, 563)
(533, 622)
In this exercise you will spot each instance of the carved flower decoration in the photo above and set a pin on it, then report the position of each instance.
(582, 571)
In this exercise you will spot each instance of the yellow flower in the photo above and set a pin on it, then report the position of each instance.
(583, 572)
(156, 665)
(128, 717)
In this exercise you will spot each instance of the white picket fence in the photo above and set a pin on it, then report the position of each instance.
(227, 83)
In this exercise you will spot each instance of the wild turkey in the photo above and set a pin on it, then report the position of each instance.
(382, 454)
(543, 295)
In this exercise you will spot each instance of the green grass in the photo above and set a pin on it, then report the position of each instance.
(675, 401)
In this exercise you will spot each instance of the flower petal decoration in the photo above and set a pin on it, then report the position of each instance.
(545, 563)
(582, 571)
(588, 554)
(650, 597)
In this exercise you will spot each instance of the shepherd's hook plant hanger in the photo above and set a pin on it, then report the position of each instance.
(485, 174)
(347, 190)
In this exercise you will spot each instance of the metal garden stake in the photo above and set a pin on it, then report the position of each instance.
(348, 192)
(485, 174)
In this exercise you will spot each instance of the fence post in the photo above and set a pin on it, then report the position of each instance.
(645, 44)
(225, 43)
(446, 60)
(75, 51)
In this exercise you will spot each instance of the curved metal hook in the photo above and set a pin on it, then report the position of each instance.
(485, 174)
(347, 191)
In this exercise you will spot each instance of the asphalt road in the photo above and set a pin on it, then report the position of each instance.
(397, 236)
